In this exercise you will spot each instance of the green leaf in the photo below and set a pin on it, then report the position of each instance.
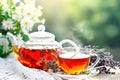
(1, 49)
(25, 37)
(1, 5)
(10, 43)
(6, 15)
(4, 55)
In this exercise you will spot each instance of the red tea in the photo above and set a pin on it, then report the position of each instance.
(75, 64)
(36, 58)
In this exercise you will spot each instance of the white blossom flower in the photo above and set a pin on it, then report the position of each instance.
(16, 17)
(38, 13)
(43, 21)
(28, 13)
(27, 24)
(30, 2)
(3, 2)
(19, 37)
(16, 1)
(20, 42)
(6, 8)
(19, 9)
(7, 24)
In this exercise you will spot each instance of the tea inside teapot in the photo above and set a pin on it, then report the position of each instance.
(36, 58)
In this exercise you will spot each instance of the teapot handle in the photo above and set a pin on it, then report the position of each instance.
(70, 42)
(12, 38)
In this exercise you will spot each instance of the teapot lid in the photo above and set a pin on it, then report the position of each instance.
(41, 35)
(41, 39)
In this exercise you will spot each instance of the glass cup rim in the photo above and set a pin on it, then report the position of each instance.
(73, 55)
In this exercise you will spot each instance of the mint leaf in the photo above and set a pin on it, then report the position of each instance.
(25, 37)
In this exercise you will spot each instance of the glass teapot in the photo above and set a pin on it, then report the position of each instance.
(40, 49)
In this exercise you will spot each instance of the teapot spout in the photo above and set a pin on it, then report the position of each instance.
(12, 38)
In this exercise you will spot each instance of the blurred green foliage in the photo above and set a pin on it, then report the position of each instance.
(94, 22)
(97, 22)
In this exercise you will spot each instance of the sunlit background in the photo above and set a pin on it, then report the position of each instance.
(87, 22)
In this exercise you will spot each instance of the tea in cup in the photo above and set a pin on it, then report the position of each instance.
(73, 63)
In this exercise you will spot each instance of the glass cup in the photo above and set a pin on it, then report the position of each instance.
(73, 61)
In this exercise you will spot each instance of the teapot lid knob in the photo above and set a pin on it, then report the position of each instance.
(41, 28)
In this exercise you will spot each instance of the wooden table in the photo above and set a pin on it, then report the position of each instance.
(11, 69)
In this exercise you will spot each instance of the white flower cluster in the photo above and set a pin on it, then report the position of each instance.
(25, 12)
